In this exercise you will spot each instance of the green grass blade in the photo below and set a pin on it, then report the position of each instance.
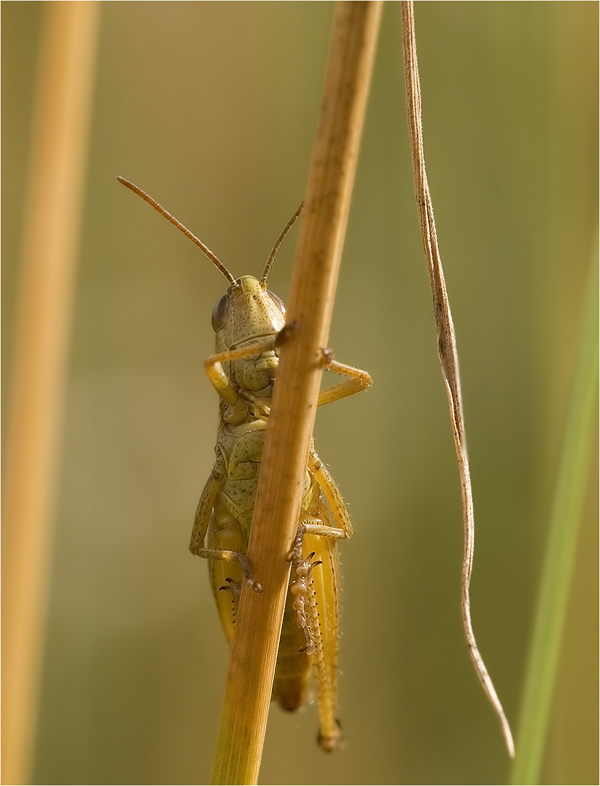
(566, 514)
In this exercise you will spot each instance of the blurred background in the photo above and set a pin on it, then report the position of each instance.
(212, 108)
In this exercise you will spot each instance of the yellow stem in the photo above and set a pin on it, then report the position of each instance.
(52, 220)
(256, 637)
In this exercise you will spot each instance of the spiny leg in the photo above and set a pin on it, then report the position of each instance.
(204, 509)
(232, 556)
(315, 593)
(235, 588)
(201, 521)
(332, 494)
(357, 380)
(301, 605)
(316, 605)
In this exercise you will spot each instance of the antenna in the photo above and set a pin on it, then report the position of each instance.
(286, 229)
(160, 209)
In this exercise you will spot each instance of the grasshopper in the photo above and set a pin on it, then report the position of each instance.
(247, 321)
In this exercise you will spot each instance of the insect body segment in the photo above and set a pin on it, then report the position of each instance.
(247, 321)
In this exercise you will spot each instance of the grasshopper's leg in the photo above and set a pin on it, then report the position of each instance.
(332, 494)
(218, 377)
(337, 506)
(357, 380)
(317, 596)
(201, 521)
(314, 590)
(300, 589)
(204, 509)
(235, 588)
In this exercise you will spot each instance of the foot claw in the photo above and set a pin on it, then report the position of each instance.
(326, 357)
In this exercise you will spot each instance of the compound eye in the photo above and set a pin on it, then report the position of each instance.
(220, 311)
(278, 301)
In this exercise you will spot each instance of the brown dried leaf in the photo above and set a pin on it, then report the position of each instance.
(446, 344)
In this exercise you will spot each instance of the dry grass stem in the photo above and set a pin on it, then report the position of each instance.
(446, 344)
(52, 220)
(256, 636)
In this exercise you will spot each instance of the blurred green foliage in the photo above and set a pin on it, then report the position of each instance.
(212, 108)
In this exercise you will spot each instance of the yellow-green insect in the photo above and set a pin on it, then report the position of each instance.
(247, 321)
